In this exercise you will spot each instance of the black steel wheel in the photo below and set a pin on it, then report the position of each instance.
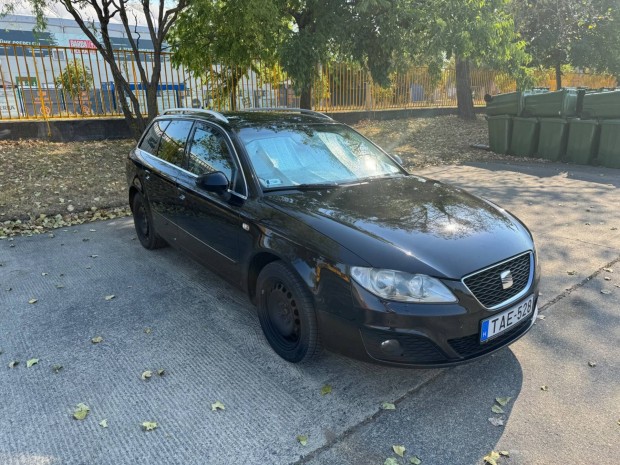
(143, 221)
(287, 314)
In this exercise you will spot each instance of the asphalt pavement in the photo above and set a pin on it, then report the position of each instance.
(158, 310)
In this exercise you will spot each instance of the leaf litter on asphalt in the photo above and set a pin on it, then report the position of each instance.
(302, 439)
(96, 340)
(217, 405)
(388, 406)
(149, 425)
(399, 450)
(32, 362)
(326, 389)
(81, 411)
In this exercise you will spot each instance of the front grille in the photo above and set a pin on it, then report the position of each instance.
(486, 285)
(415, 349)
(470, 346)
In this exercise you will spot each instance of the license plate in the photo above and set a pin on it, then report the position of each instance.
(505, 320)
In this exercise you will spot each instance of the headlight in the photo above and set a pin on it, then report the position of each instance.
(402, 287)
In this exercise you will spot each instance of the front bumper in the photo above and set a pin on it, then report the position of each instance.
(420, 335)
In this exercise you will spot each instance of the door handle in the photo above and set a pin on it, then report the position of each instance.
(147, 174)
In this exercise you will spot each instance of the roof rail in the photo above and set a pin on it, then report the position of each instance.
(216, 114)
(297, 110)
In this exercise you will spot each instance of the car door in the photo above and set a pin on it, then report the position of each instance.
(161, 164)
(210, 223)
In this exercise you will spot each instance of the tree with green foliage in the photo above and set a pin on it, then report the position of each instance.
(560, 33)
(159, 15)
(221, 41)
(301, 34)
(599, 47)
(76, 81)
(468, 32)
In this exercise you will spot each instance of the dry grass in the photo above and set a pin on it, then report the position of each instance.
(47, 184)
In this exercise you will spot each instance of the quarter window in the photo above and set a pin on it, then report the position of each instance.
(150, 142)
(172, 146)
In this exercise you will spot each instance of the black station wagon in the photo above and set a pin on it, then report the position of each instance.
(332, 239)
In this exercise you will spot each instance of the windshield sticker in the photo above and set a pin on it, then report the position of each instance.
(273, 182)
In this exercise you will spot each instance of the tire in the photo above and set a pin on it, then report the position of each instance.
(143, 221)
(286, 314)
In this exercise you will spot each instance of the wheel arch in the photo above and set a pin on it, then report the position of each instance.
(264, 257)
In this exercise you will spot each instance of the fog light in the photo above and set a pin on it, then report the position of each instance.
(391, 347)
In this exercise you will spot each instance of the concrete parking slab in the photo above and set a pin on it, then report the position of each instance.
(206, 336)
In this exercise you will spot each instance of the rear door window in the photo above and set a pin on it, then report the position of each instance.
(150, 142)
(173, 140)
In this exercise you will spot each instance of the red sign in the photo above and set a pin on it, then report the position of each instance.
(80, 43)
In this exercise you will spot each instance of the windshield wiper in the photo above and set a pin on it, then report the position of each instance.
(304, 187)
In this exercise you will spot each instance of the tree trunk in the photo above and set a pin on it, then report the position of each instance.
(305, 100)
(464, 99)
(558, 76)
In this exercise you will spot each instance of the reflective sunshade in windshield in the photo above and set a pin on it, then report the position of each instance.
(313, 155)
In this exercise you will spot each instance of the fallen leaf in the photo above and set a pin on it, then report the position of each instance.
(571, 272)
(59, 286)
(302, 439)
(96, 340)
(607, 278)
(161, 372)
(399, 450)
(146, 374)
(609, 270)
(491, 458)
(541, 317)
(56, 368)
(327, 389)
(415, 460)
(33, 301)
(109, 297)
(592, 364)
(147, 330)
(94, 256)
(149, 425)
(103, 423)
(81, 411)
(390, 461)
(388, 406)
(217, 405)
(544, 387)
(13, 364)
(502, 400)
(497, 409)
(32, 362)
(496, 421)
(504, 453)
(605, 291)
(43, 274)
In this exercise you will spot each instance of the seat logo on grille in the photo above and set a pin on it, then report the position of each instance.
(506, 279)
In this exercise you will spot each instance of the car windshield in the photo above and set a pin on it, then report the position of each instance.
(313, 156)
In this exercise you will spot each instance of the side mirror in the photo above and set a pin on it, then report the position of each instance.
(213, 182)
(397, 158)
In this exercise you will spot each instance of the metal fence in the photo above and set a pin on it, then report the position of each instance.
(67, 82)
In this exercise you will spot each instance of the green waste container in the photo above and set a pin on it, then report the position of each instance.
(562, 104)
(609, 143)
(524, 140)
(582, 144)
(601, 105)
(500, 130)
(552, 138)
(505, 104)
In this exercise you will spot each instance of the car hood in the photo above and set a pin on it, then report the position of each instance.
(410, 224)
